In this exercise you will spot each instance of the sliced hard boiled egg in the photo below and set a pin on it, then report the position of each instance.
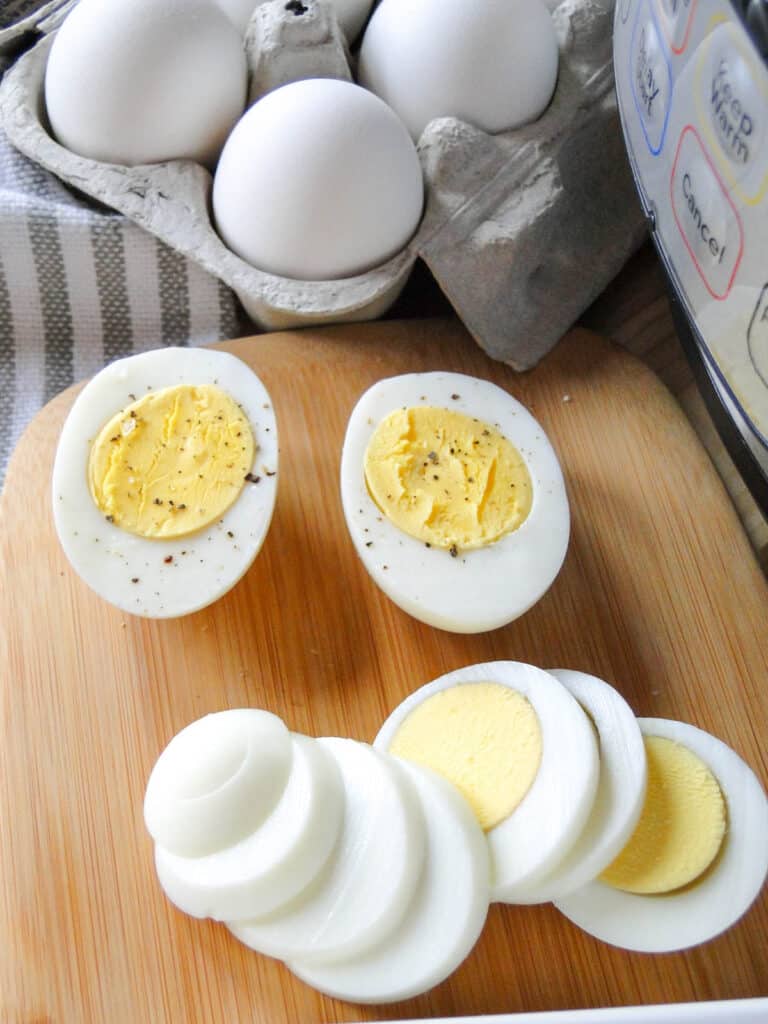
(271, 865)
(217, 780)
(454, 499)
(442, 923)
(363, 892)
(164, 480)
(708, 849)
(620, 790)
(520, 749)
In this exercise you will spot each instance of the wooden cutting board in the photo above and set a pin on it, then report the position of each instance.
(660, 594)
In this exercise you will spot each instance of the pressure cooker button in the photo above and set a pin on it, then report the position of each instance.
(706, 218)
(732, 101)
(676, 17)
(651, 78)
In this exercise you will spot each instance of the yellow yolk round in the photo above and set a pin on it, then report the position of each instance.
(485, 738)
(446, 478)
(681, 828)
(172, 462)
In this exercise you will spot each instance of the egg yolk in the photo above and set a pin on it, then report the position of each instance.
(681, 827)
(172, 462)
(485, 738)
(447, 479)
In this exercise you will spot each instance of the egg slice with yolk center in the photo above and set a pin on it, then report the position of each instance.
(529, 770)
(681, 827)
(698, 911)
(492, 759)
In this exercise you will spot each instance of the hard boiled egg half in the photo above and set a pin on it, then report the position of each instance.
(165, 478)
(454, 499)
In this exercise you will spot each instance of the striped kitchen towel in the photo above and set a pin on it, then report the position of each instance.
(81, 285)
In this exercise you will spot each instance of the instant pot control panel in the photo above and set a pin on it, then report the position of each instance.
(692, 85)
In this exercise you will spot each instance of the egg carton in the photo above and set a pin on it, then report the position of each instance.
(521, 230)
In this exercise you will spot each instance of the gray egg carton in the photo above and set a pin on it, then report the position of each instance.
(522, 230)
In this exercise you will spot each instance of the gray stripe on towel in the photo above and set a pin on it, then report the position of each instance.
(229, 325)
(7, 372)
(107, 237)
(54, 302)
(173, 288)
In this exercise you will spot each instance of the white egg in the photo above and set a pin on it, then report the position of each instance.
(704, 908)
(368, 883)
(492, 63)
(479, 589)
(318, 180)
(526, 845)
(620, 791)
(239, 12)
(217, 780)
(163, 577)
(442, 923)
(142, 81)
(271, 865)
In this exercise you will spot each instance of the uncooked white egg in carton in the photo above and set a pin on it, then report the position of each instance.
(506, 201)
(369, 869)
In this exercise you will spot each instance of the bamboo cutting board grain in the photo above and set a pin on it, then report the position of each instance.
(659, 594)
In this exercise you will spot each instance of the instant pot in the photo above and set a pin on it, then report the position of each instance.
(692, 87)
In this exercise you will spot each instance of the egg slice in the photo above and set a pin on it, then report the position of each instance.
(520, 749)
(454, 499)
(444, 919)
(165, 478)
(363, 892)
(217, 780)
(274, 862)
(731, 868)
(620, 790)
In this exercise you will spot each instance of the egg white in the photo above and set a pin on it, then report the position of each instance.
(620, 791)
(442, 922)
(704, 909)
(267, 869)
(535, 837)
(204, 565)
(369, 881)
(480, 589)
(217, 780)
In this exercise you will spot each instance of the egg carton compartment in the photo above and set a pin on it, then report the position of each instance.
(521, 230)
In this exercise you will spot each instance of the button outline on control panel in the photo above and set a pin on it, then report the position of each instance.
(719, 297)
(664, 21)
(702, 58)
(663, 136)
